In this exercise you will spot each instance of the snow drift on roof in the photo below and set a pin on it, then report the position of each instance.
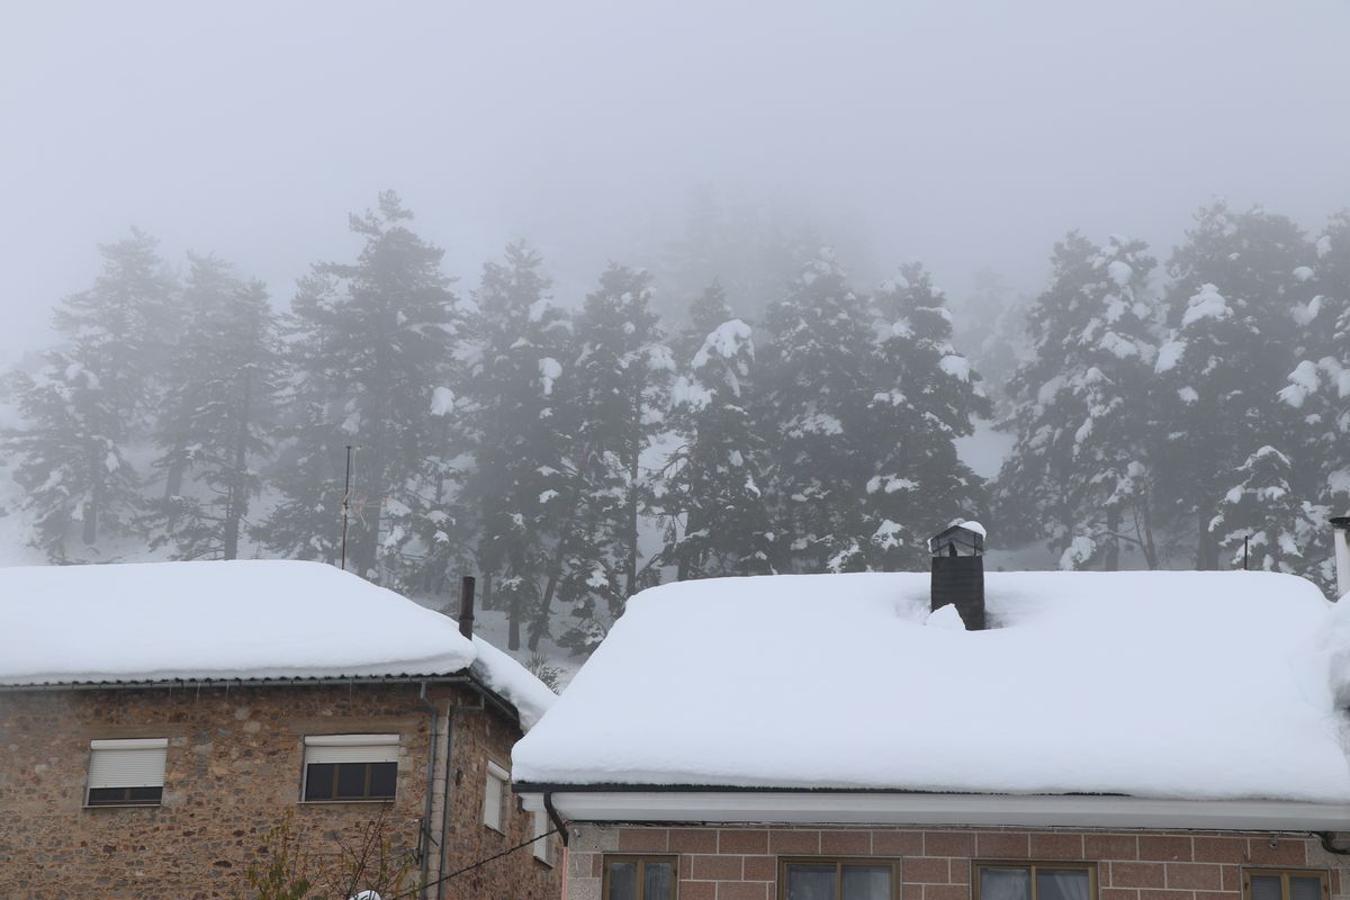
(1153, 684)
(245, 619)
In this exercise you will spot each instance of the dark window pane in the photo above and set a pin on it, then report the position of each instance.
(319, 781)
(382, 779)
(1302, 887)
(811, 882)
(658, 881)
(1266, 887)
(351, 781)
(1062, 884)
(106, 796)
(622, 881)
(867, 883)
(1005, 884)
(141, 796)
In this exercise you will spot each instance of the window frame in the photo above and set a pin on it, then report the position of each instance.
(362, 739)
(670, 859)
(1284, 875)
(839, 862)
(495, 770)
(147, 744)
(1031, 865)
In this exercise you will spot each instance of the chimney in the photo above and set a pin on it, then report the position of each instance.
(1340, 526)
(958, 571)
(466, 606)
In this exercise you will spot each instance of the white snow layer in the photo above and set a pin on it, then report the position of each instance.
(243, 619)
(1152, 684)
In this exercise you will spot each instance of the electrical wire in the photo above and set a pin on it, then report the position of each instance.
(470, 868)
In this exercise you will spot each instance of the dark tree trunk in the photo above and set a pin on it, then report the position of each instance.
(173, 482)
(91, 506)
(1111, 559)
(513, 638)
(238, 500)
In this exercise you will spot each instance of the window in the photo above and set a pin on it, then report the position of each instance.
(1035, 881)
(639, 878)
(543, 848)
(127, 772)
(494, 797)
(838, 879)
(350, 767)
(1272, 884)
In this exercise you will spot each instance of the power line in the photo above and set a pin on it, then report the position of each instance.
(470, 868)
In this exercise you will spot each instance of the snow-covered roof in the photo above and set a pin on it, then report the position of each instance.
(1151, 684)
(248, 620)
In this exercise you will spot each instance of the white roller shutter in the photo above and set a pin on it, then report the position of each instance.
(494, 796)
(127, 764)
(351, 748)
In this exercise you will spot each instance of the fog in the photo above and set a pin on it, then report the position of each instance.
(964, 134)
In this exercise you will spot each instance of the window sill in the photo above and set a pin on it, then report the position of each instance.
(155, 805)
(384, 800)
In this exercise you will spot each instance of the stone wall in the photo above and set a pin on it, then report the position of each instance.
(936, 864)
(233, 772)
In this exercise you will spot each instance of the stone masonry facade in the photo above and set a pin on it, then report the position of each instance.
(741, 863)
(233, 772)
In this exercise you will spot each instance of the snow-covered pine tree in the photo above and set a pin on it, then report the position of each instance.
(1229, 350)
(717, 521)
(373, 350)
(1078, 471)
(1317, 396)
(813, 409)
(925, 396)
(217, 414)
(1263, 517)
(615, 403)
(1318, 391)
(517, 484)
(88, 404)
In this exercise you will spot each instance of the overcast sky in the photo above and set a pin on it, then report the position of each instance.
(965, 134)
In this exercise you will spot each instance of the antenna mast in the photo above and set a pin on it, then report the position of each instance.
(346, 505)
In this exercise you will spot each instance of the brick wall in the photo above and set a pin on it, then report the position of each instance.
(742, 863)
(233, 771)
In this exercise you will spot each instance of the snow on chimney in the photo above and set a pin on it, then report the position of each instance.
(466, 606)
(1340, 526)
(958, 571)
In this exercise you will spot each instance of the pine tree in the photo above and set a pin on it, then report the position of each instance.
(372, 346)
(518, 480)
(615, 404)
(1318, 389)
(1261, 521)
(927, 397)
(1079, 469)
(1229, 350)
(718, 524)
(88, 404)
(216, 418)
(813, 411)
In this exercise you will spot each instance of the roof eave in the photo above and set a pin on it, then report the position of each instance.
(744, 806)
(463, 676)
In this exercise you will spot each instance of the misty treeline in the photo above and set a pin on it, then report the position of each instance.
(574, 453)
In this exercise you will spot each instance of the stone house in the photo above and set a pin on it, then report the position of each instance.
(957, 735)
(165, 726)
